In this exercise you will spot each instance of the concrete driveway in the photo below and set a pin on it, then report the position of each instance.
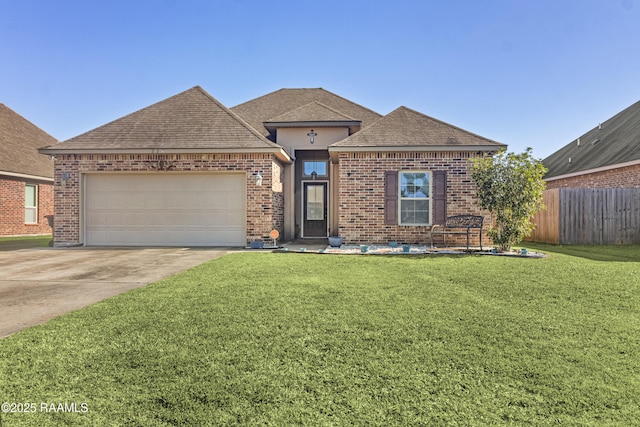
(39, 284)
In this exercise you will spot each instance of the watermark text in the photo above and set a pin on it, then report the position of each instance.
(46, 407)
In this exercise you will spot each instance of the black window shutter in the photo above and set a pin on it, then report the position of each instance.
(391, 198)
(439, 197)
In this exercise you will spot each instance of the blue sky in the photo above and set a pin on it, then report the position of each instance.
(528, 73)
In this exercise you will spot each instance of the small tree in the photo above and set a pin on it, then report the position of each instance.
(510, 186)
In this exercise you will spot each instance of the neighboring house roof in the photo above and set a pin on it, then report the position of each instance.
(19, 143)
(276, 104)
(189, 121)
(614, 143)
(407, 129)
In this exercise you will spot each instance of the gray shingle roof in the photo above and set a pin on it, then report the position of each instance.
(615, 141)
(405, 127)
(19, 143)
(313, 112)
(275, 104)
(189, 120)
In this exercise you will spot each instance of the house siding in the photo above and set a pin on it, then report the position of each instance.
(361, 208)
(625, 177)
(264, 206)
(12, 207)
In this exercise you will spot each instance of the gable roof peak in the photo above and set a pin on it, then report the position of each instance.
(275, 104)
(190, 120)
(405, 127)
(313, 111)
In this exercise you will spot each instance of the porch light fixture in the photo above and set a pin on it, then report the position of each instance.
(258, 178)
(312, 136)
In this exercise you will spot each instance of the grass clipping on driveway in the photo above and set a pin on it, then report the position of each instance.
(295, 339)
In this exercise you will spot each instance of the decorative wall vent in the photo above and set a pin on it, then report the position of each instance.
(162, 164)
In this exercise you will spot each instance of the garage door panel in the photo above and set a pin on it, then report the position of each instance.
(233, 184)
(232, 201)
(209, 218)
(170, 200)
(219, 217)
(165, 210)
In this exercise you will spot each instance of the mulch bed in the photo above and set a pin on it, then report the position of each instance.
(413, 250)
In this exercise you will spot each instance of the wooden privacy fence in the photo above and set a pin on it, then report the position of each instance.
(593, 216)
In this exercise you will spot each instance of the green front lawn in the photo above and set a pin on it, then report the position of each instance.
(24, 242)
(305, 339)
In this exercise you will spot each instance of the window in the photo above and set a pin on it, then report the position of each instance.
(31, 204)
(436, 194)
(314, 168)
(415, 198)
(315, 202)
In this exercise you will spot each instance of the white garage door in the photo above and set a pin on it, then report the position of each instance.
(164, 209)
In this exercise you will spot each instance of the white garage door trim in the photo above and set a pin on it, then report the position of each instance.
(164, 209)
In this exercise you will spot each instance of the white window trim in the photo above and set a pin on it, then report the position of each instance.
(429, 198)
(31, 208)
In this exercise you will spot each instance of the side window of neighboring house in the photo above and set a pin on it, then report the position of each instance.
(31, 204)
(415, 197)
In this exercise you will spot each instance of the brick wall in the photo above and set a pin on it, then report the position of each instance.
(361, 189)
(627, 177)
(12, 213)
(265, 205)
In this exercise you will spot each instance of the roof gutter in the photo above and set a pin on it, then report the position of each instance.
(280, 153)
(353, 149)
(26, 176)
(488, 149)
(594, 170)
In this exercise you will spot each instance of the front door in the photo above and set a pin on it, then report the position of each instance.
(314, 207)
